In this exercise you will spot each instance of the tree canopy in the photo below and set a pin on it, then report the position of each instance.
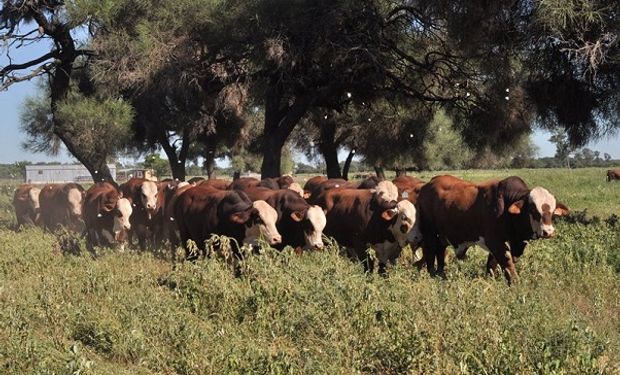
(196, 75)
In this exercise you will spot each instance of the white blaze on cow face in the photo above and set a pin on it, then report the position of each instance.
(386, 191)
(122, 214)
(297, 189)
(149, 195)
(264, 226)
(33, 196)
(542, 206)
(314, 235)
(75, 201)
(405, 223)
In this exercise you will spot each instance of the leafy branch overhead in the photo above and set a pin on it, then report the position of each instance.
(196, 71)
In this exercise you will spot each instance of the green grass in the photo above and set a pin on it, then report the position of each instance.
(134, 313)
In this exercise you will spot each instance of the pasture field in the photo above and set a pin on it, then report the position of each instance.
(64, 311)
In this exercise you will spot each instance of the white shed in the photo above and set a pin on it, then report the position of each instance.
(45, 174)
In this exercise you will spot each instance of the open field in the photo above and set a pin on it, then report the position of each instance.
(133, 313)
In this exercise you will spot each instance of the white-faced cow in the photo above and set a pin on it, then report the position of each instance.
(300, 224)
(26, 204)
(147, 199)
(202, 211)
(361, 218)
(61, 206)
(500, 216)
(106, 215)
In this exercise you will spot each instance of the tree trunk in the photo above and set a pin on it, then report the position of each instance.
(210, 166)
(272, 157)
(279, 124)
(59, 87)
(379, 171)
(347, 164)
(329, 148)
(176, 161)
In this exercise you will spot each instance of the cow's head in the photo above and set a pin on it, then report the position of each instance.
(33, 198)
(405, 224)
(262, 224)
(386, 191)
(75, 197)
(121, 212)
(313, 222)
(148, 195)
(541, 207)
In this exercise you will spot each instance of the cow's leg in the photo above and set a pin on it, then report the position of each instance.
(440, 254)
(502, 254)
(429, 252)
(491, 265)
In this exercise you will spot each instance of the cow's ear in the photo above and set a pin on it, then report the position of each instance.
(297, 216)
(239, 217)
(21, 198)
(515, 208)
(561, 210)
(389, 214)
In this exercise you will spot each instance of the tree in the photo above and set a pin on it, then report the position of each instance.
(99, 127)
(156, 163)
(53, 21)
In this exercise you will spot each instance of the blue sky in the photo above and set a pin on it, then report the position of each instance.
(11, 136)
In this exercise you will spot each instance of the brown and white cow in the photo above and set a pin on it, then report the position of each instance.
(500, 216)
(106, 215)
(202, 211)
(147, 199)
(26, 204)
(300, 224)
(61, 206)
(360, 218)
(613, 175)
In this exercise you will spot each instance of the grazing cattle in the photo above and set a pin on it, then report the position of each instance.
(61, 206)
(613, 174)
(491, 214)
(300, 224)
(215, 183)
(106, 215)
(26, 204)
(243, 183)
(202, 211)
(408, 187)
(359, 218)
(332, 183)
(370, 182)
(147, 199)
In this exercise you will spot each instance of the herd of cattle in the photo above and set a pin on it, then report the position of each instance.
(499, 216)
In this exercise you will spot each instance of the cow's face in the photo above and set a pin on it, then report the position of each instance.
(148, 195)
(541, 206)
(122, 212)
(33, 197)
(75, 197)
(405, 227)
(262, 223)
(313, 222)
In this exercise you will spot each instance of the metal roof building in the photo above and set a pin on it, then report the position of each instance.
(45, 174)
